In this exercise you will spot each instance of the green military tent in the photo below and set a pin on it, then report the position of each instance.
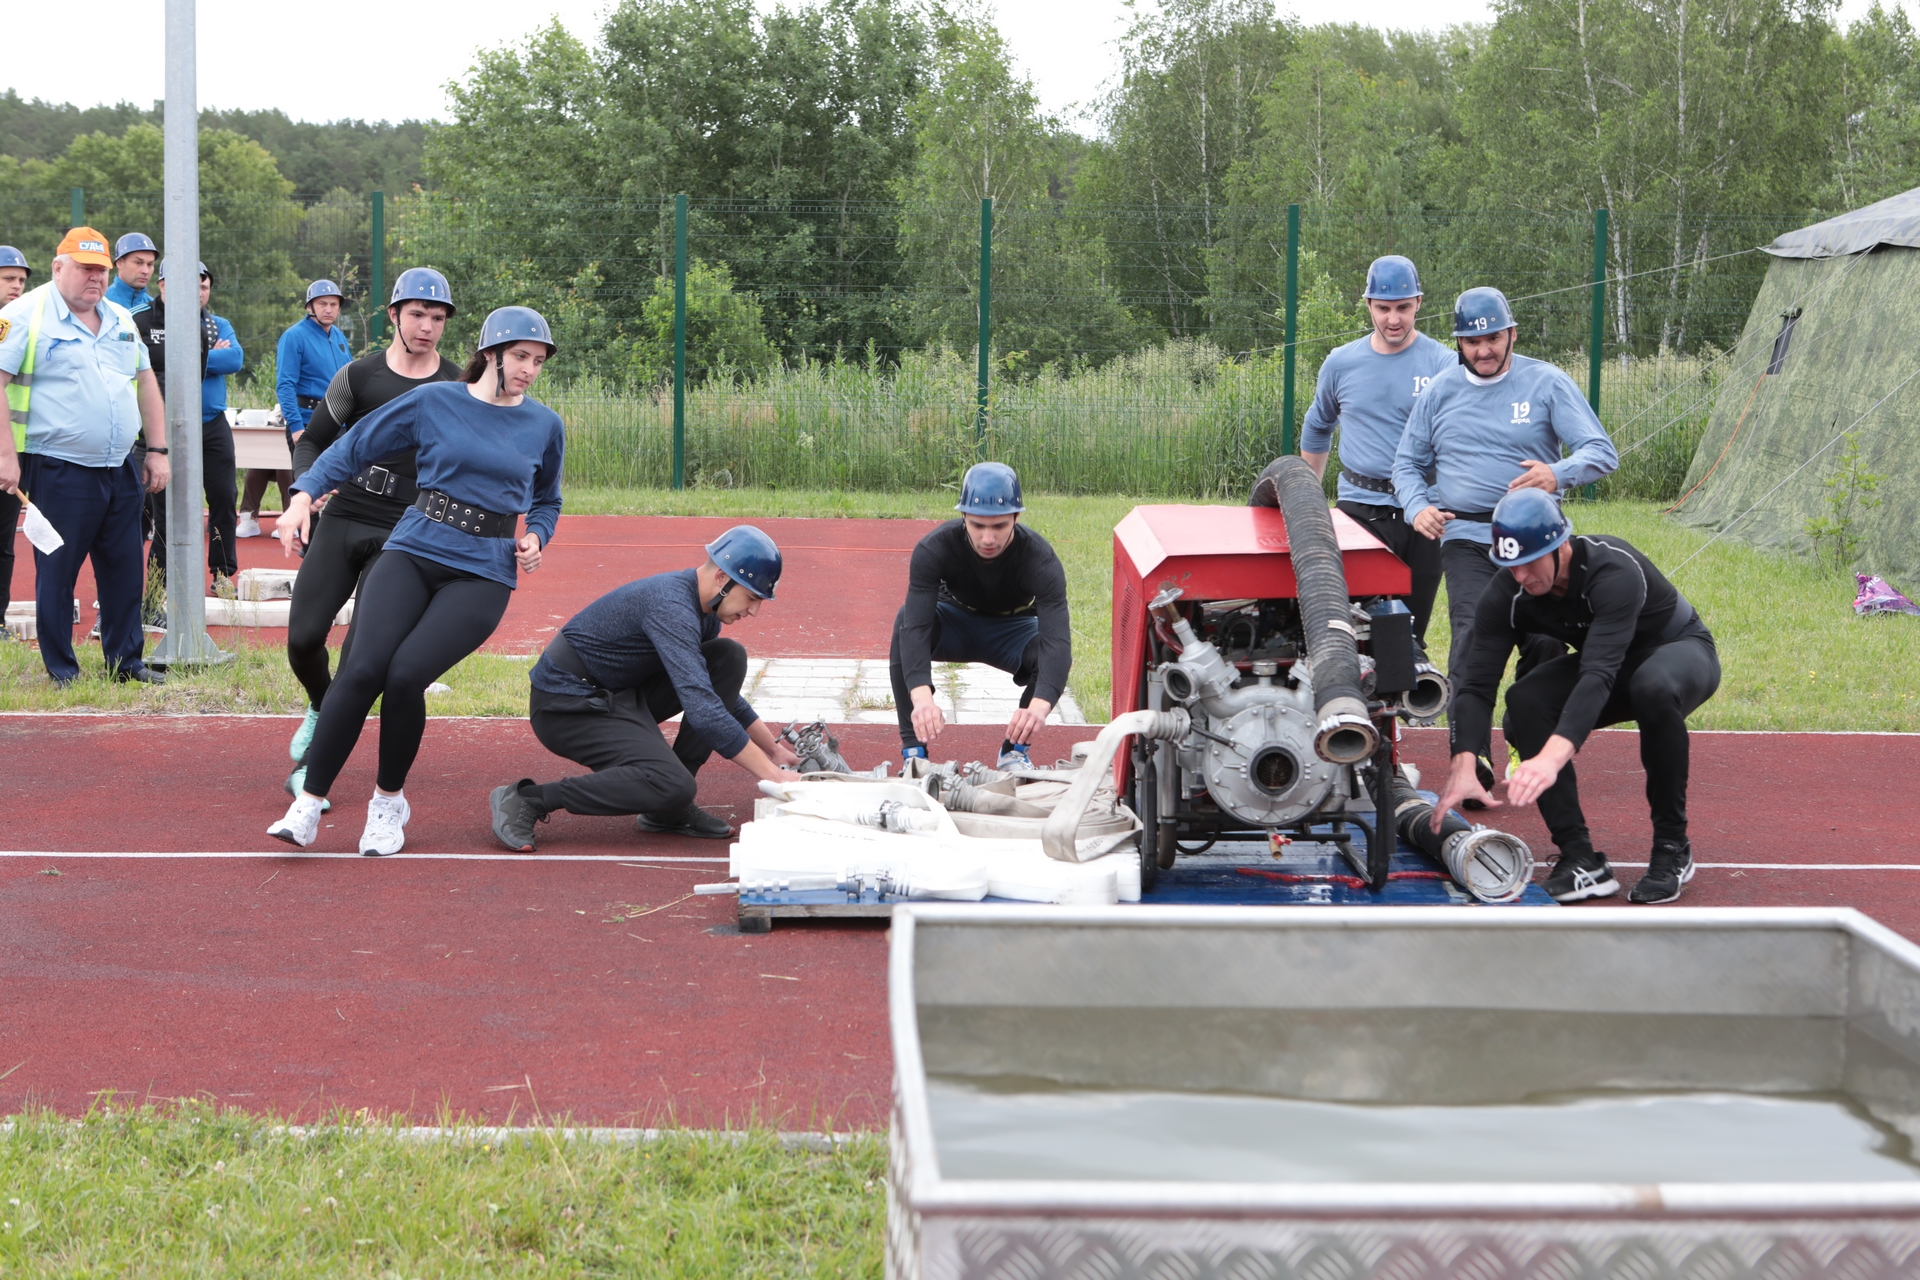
(1831, 349)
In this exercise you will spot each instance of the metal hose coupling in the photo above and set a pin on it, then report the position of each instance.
(1493, 866)
(1427, 700)
(1346, 735)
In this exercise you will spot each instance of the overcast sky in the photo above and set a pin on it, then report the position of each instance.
(375, 60)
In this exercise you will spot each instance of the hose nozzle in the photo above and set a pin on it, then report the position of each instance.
(1346, 734)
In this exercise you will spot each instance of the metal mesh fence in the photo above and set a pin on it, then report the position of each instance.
(1133, 350)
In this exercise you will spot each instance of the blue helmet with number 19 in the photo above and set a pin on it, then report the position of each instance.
(1527, 524)
(1392, 279)
(1482, 311)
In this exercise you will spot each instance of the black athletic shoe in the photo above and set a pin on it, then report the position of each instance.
(1483, 774)
(138, 675)
(514, 816)
(1667, 873)
(690, 821)
(1581, 875)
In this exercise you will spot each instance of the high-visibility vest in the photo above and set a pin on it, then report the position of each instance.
(20, 389)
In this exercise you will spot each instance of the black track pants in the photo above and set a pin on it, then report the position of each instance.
(222, 483)
(1468, 571)
(1657, 688)
(1422, 555)
(421, 618)
(1010, 644)
(617, 735)
(341, 554)
(9, 519)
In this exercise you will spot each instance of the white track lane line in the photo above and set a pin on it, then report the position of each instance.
(629, 859)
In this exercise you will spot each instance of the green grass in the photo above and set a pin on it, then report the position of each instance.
(1794, 655)
(186, 1190)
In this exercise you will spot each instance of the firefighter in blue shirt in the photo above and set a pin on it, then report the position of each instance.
(1367, 389)
(308, 356)
(134, 258)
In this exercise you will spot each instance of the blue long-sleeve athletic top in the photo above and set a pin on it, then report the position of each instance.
(486, 455)
(1472, 434)
(1368, 396)
(307, 358)
(220, 362)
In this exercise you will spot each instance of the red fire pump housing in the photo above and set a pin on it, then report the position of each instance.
(1206, 616)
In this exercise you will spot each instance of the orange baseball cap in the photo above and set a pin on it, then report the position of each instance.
(84, 244)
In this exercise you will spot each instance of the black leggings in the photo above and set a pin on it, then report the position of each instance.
(1658, 688)
(9, 518)
(420, 618)
(1421, 553)
(342, 553)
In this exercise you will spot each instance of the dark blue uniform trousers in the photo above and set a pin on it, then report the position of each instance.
(97, 511)
(1010, 644)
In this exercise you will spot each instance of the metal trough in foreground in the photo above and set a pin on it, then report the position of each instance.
(1364, 1005)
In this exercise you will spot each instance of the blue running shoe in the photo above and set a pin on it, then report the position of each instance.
(1013, 758)
(912, 753)
(303, 736)
(297, 782)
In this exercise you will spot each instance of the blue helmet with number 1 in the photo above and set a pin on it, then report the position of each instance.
(1527, 524)
(12, 257)
(1392, 279)
(990, 489)
(1479, 312)
(324, 289)
(422, 284)
(134, 242)
(749, 557)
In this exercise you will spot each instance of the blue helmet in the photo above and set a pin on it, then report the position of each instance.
(1527, 524)
(134, 242)
(12, 257)
(1482, 311)
(989, 489)
(423, 284)
(514, 324)
(324, 289)
(162, 273)
(1392, 279)
(747, 556)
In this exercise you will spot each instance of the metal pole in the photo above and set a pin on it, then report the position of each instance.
(186, 642)
(986, 328)
(377, 314)
(680, 341)
(1292, 326)
(76, 207)
(1599, 316)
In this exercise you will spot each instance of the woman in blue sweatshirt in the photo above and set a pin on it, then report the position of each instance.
(487, 454)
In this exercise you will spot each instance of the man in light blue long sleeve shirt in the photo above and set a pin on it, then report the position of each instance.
(308, 356)
(1493, 423)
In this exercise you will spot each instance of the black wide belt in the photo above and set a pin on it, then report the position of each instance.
(309, 402)
(1372, 484)
(382, 483)
(445, 509)
(1472, 517)
(562, 655)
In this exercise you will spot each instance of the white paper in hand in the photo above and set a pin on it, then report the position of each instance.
(40, 532)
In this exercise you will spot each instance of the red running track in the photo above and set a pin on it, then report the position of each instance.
(843, 581)
(596, 989)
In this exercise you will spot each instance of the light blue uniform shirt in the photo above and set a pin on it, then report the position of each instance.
(84, 408)
(1368, 396)
(1472, 437)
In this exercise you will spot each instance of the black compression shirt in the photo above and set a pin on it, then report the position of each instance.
(356, 391)
(1617, 606)
(1024, 580)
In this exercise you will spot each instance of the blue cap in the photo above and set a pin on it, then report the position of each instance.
(1527, 524)
(205, 274)
(133, 242)
(422, 284)
(989, 489)
(747, 556)
(1479, 312)
(12, 257)
(324, 289)
(1392, 279)
(516, 324)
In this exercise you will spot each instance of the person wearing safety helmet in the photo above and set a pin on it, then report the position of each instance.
(14, 273)
(486, 454)
(1366, 389)
(309, 353)
(362, 512)
(1490, 425)
(983, 588)
(134, 257)
(631, 660)
(1641, 653)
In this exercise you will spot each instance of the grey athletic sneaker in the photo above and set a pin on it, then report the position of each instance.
(514, 816)
(1667, 873)
(690, 821)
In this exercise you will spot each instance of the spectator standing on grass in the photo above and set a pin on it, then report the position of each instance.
(1366, 391)
(637, 656)
(14, 274)
(486, 453)
(308, 356)
(220, 355)
(134, 258)
(362, 513)
(80, 389)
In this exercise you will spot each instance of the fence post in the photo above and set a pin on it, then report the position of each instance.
(76, 207)
(378, 289)
(1599, 316)
(680, 342)
(986, 328)
(1292, 325)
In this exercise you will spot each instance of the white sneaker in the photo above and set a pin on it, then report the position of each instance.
(386, 826)
(302, 823)
(248, 527)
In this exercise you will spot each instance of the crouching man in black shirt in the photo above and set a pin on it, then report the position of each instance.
(1640, 653)
(983, 588)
